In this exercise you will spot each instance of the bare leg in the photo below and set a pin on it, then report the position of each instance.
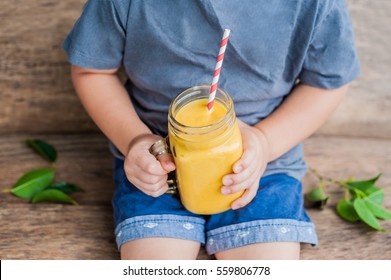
(263, 251)
(158, 248)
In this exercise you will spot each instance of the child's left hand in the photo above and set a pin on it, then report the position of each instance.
(249, 169)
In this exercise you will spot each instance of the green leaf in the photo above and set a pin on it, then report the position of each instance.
(346, 210)
(316, 198)
(42, 148)
(376, 195)
(53, 195)
(378, 210)
(366, 215)
(33, 182)
(363, 185)
(317, 194)
(65, 187)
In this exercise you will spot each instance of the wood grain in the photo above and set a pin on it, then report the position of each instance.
(37, 101)
(51, 231)
(366, 110)
(36, 94)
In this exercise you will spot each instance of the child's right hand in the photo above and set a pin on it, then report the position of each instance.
(145, 171)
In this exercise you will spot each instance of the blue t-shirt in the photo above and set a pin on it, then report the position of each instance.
(168, 46)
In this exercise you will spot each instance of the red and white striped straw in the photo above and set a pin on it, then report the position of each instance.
(219, 63)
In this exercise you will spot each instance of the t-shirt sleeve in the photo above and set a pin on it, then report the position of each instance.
(98, 37)
(331, 60)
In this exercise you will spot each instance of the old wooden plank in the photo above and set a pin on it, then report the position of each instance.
(340, 158)
(74, 232)
(86, 232)
(366, 109)
(35, 89)
(340, 240)
(83, 159)
(36, 92)
(50, 231)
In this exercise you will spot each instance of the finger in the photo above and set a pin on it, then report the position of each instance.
(152, 180)
(167, 162)
(148, 182)
(245, 199)
(237, 178)
(247, 172)
(151, 165)
(242, 184)
(247, 158)
(134, 170)
(162, 190)
(154, 190)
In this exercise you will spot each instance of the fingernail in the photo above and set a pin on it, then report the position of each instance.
(235, 206)
(168, 165)
(225, 190)
(227, 181)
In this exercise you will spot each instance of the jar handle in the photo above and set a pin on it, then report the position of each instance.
(160, 148)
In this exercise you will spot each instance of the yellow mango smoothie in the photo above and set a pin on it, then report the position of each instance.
(205, 146)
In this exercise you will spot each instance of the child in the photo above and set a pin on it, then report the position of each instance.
(286, 67)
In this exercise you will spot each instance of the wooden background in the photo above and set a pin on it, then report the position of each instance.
(36, 94)
(37, 100)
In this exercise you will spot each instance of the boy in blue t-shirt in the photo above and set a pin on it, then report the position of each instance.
(286, 67)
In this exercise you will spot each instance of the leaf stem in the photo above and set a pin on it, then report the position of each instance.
(328, 179)
(343, 184)
(346, 195)
(6, 190)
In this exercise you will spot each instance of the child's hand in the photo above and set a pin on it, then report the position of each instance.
(144, 170)
(249, 169)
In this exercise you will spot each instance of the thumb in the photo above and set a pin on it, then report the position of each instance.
(167, 162)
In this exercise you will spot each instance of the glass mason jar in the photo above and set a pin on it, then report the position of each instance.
(204, 154)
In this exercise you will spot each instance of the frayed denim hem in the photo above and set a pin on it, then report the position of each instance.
(261, 231)
(170, 226)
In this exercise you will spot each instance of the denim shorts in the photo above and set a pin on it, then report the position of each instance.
(276, 214)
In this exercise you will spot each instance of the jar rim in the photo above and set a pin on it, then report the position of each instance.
(228, 104)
